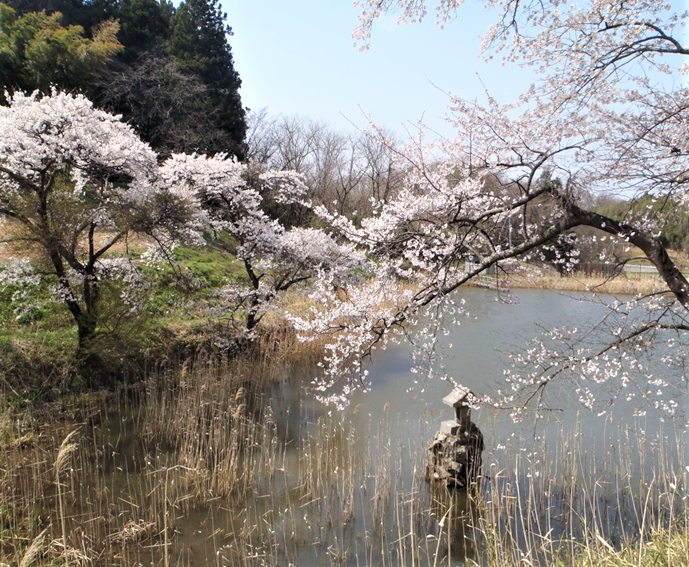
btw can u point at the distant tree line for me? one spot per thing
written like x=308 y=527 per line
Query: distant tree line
x=168 y=71
x=669 y=214
x=348 y=173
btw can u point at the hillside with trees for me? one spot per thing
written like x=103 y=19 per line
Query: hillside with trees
x=168 y=71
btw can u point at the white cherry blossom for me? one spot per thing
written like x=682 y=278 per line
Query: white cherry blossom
x=74 y=182
x=605 y=116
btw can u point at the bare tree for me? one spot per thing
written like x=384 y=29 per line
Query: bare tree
x=168 y=107
x=343 y=172
x=261 y=137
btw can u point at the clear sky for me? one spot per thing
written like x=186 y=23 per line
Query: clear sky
x=297 y=57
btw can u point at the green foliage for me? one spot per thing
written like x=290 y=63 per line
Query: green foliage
x=672 y=216
x=213 y=265
x=145 y=24
x=199 y=41
x=37 y=52
x=85 y=13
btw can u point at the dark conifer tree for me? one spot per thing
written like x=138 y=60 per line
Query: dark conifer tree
x=199 y=41
x=175 y=80
x=145 y=24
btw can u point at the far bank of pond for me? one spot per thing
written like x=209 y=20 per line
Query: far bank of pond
x=628 y=283
x=231 y=468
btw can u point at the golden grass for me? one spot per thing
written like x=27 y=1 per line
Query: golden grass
x=21 y=248
x=622 y=284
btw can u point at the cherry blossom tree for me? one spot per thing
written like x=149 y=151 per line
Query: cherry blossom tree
x=74 y=183
x=606 y=117
x=275 y=259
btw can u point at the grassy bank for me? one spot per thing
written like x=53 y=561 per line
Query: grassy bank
x=666 y=547
x=180 y=320
x=663 y=547
x=622 y=284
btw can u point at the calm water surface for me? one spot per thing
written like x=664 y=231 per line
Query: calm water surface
x=382 y=437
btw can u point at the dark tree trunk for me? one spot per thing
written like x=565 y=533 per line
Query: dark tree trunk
x=252 y=317
x=91 y=366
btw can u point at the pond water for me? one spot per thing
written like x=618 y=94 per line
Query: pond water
x=611 y=461
x=477 y=360
x=348 y=488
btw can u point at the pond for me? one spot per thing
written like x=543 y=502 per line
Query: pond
x=185 y=480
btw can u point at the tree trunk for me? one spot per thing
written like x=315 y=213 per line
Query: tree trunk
x=252 y=317
x=89 y=363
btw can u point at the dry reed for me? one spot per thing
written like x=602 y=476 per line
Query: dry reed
x=623 y=284
x=215 y=466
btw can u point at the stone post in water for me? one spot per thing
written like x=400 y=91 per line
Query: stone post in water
x=454 y=456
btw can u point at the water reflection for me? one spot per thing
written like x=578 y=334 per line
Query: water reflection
x=348 y=488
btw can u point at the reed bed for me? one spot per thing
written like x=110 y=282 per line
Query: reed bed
x=564 y=505
x=622 y=284
x=223 y=464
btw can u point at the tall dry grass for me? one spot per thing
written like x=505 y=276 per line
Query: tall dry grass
x=622 y=284
x=214 y=465
x=561 y=503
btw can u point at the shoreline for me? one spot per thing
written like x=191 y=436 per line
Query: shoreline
x=621 y=284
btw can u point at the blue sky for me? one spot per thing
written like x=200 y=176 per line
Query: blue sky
x=297 y=57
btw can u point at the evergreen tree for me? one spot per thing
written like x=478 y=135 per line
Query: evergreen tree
x=85 y=13
x=145 y=24
x=199 y=41
x=37 y=52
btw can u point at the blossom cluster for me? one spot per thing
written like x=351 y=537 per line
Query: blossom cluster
x=517 y=184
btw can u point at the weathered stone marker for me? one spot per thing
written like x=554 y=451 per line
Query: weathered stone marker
x=454 y=456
